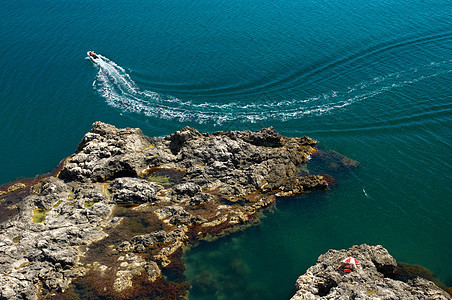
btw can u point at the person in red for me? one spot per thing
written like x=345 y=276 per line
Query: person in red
x=92 y=54
x=349 y=264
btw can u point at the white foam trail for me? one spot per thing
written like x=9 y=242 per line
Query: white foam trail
x=365 y=193
x=120 y=91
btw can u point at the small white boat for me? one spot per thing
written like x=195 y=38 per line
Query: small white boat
x=92 y=55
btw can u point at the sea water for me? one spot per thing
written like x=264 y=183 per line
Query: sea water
x=369 y=79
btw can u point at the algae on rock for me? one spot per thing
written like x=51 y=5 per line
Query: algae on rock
x=124 y=205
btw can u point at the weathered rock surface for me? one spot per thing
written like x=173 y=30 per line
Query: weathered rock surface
x=133 y=190
x=371 y=279
x=123 y=206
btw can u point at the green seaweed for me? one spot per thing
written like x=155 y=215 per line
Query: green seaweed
x=406 y=272
x=94 y=286
x=164 y=176
x=162 y=180
x=89 y=203
x=371 y=291
x=57 y=204
x=39 y=215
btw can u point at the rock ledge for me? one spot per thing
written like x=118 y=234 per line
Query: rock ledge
x=123 y=206
x=371 y=279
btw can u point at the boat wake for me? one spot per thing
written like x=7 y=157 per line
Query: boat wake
x=120 y=91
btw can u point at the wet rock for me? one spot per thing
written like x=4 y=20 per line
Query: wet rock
x=124 y=246
x=176 y=215
x=131 y=265
x=13 y=188
x=190 y=192
x=154 y=238
x=368 y=280
x=331 y=161
x=313 y=181
x=153 y=270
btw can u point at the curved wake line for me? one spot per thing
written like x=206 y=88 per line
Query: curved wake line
x=120 y=91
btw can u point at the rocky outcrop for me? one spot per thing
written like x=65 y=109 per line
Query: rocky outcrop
x=133 y=190
x=106 y=152
x=123 y=206
x=374 y=277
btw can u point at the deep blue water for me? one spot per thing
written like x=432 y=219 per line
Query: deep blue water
x=369 y=79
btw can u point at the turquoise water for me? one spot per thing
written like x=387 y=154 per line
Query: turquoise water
x=369 y=79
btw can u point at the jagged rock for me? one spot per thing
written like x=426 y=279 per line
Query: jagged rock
x=188 y=189
x=13 y=188
x=176 y=215
x=266 y=137
x=130 y=265
x=133 y=190
x=179 y=138
x=141 y=242
x=190 y=192
x=56 y=254
x=176 y=186
x=153 y=270
x=369 y=280
x=313 y=181
x=90 y=192
x=16 y=288
x=106 y=152
x=52 y=190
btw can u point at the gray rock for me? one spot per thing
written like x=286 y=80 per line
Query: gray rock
x=198 y=172
x=368 y=280
x=179 y=138
x=176 y=215
x=90 y=192
x=242 y=161
x=52 y=190
x=106 y=152
x=150 y=240
x=266 y=137
x=189 y=192
x=17 y=288
x=133 y=190
x=58 y=254
x=188 y=189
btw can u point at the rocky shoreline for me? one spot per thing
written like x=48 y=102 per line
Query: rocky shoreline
x=376 y=276
x=120 y=210
x=114 y=219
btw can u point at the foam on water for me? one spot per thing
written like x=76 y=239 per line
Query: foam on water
x=120 y=91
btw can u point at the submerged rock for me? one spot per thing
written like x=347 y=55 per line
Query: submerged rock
x=372 y=278
x=123 y=206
